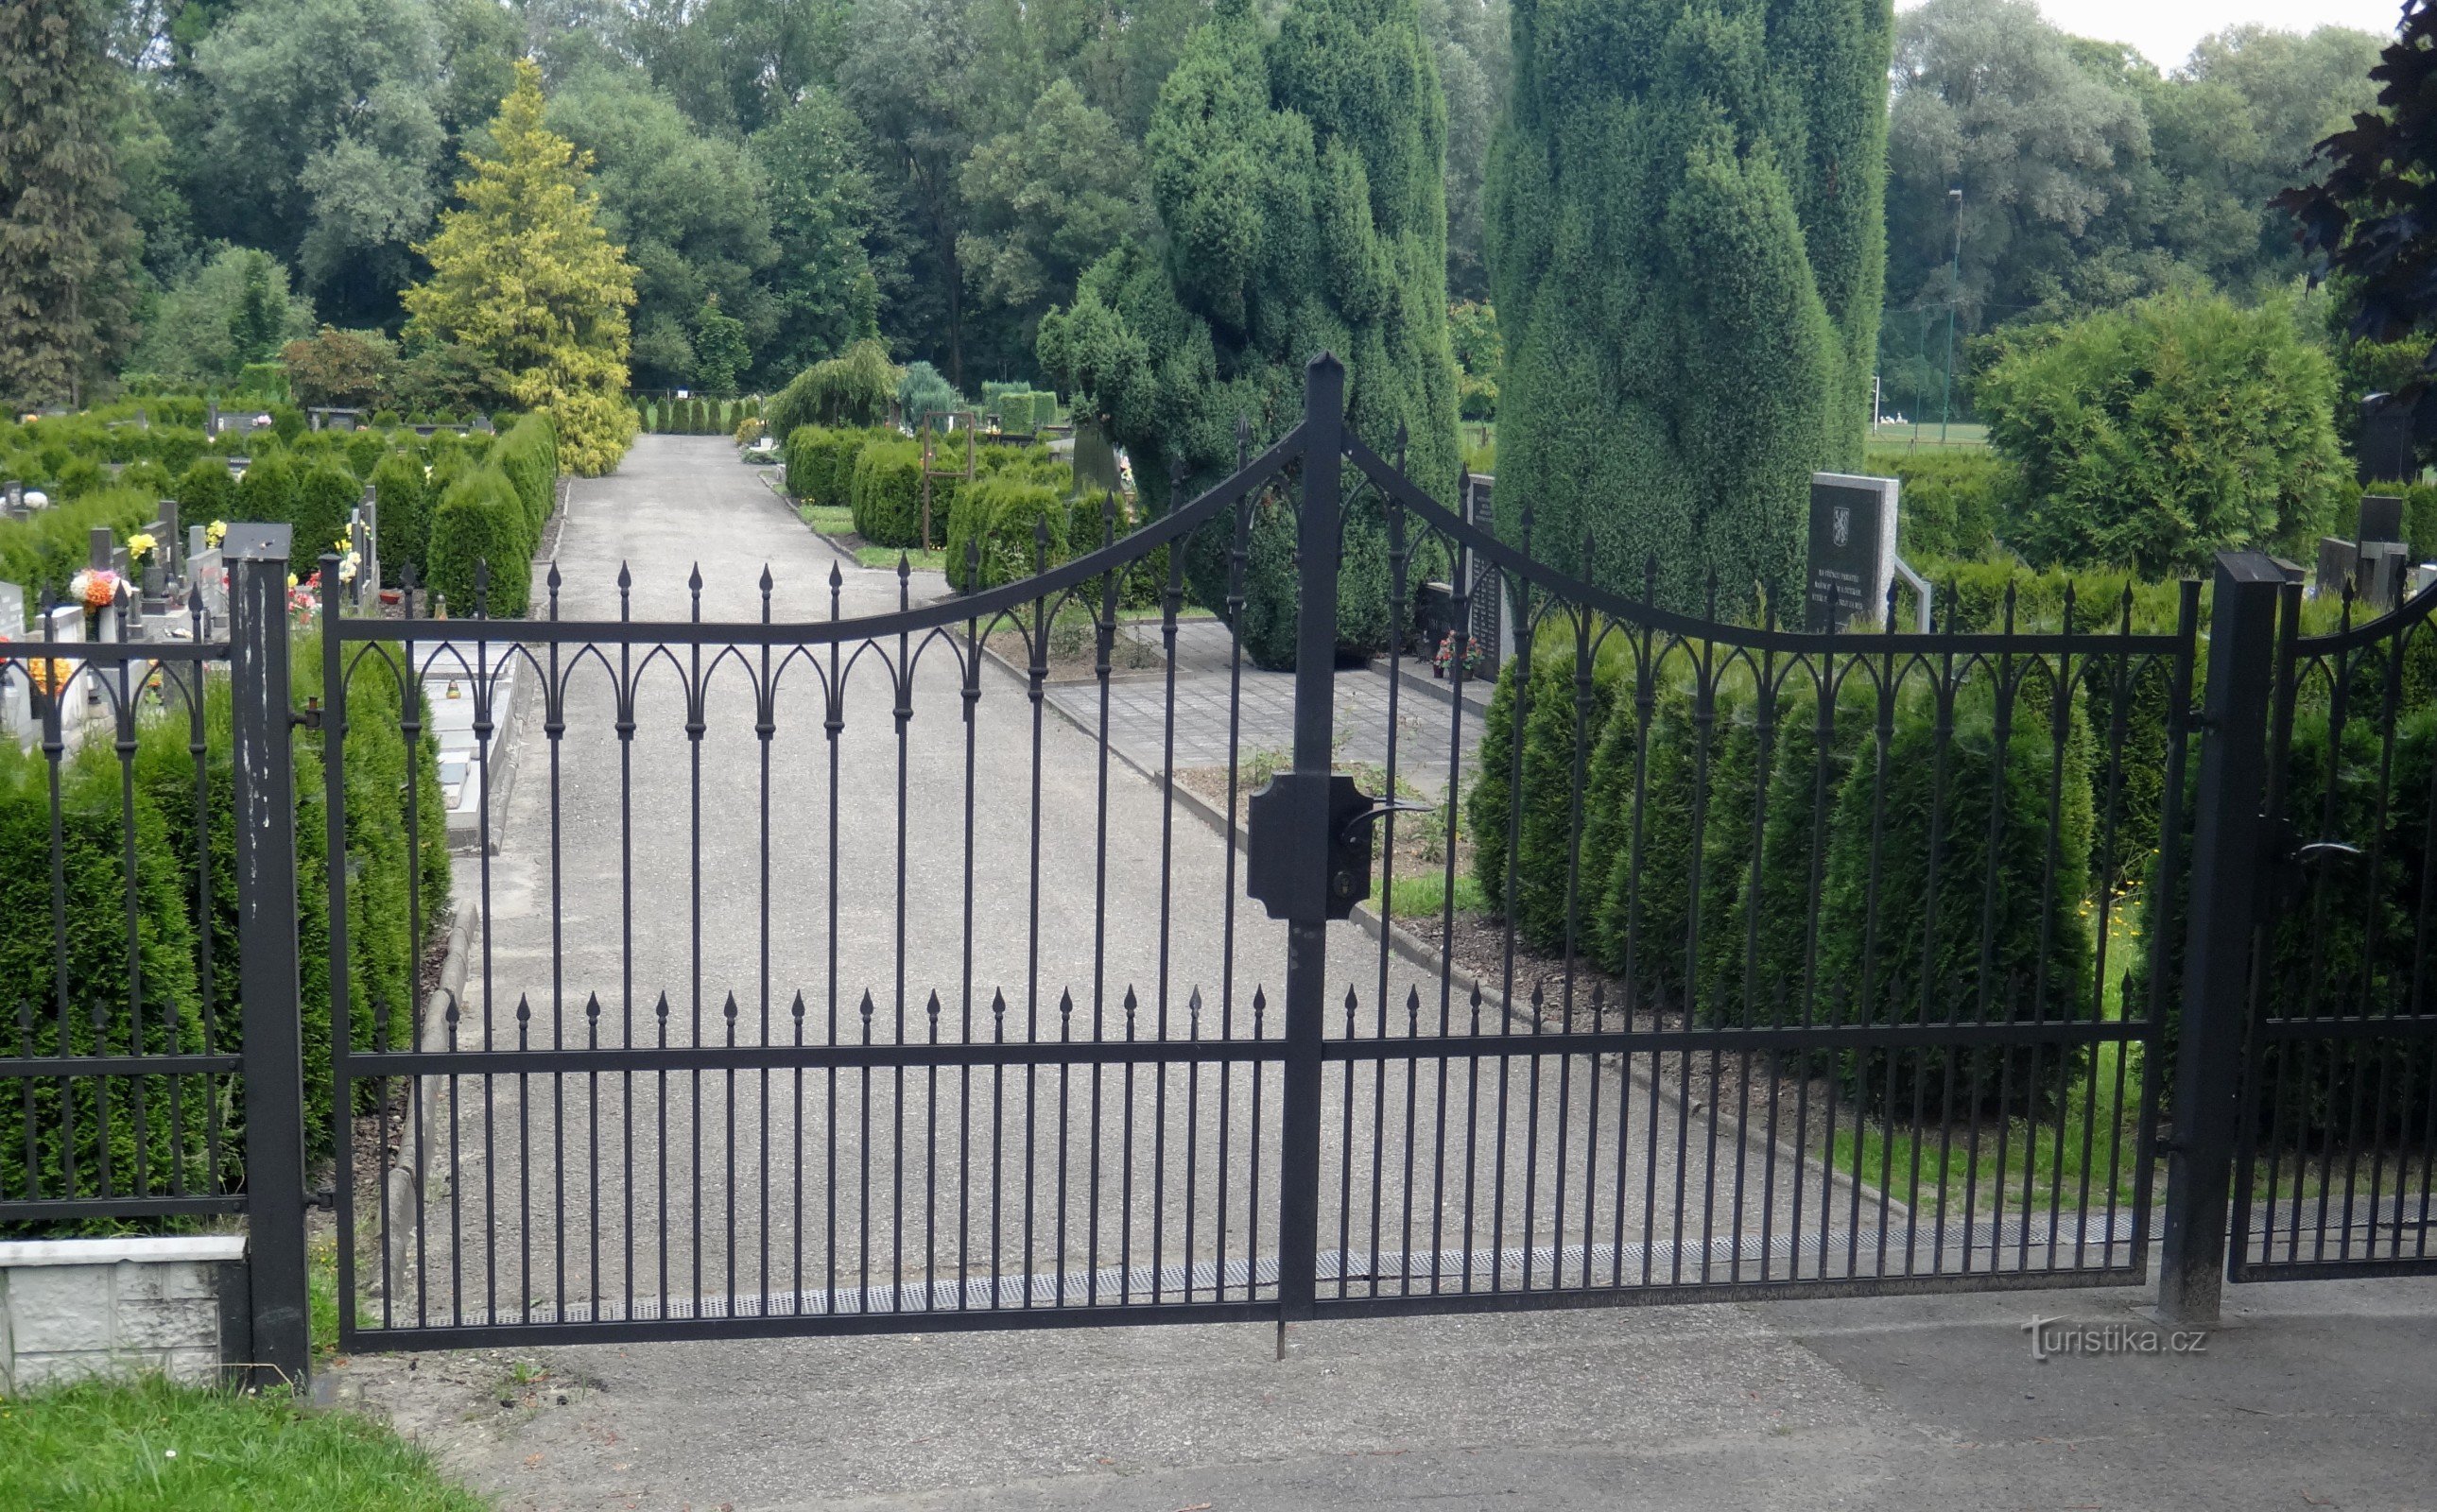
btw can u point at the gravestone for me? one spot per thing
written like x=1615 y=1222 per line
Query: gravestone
x=2386 y=454
x=15 y=499
x=1852 y=556
x=210 y=579
x=2381 y=518
x=1096 y=461
x=1488 y=609
x=2338 y=564
x=2383 y=568
x=16 y=709
x=211 y=421
x=483 y=427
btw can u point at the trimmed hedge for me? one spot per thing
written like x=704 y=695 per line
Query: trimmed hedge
x=887 y=495
x=491 y=511
x=1954 y=502
x=997 y=516
x=325 y=496
x=1679 y=797
x=820 y=462
x=403 y=509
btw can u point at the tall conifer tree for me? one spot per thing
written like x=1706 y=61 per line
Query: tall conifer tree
x=1301 y=180
x=65 y=244
x=1687 y=244
x=523 y=274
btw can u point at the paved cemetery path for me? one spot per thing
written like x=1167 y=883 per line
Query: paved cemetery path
x=701 y=871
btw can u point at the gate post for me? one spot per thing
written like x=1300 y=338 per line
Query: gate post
x=1315 y=729
x=2229 y=852
x=267 y=945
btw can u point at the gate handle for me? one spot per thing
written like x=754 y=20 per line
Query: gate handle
x=2321 y=849
x=1379 y=810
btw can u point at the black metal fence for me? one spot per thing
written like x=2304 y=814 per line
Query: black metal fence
x=837 y=977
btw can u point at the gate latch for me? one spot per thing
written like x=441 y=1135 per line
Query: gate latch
x=1308 y=846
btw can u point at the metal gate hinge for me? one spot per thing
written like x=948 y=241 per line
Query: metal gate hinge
x=310 y=717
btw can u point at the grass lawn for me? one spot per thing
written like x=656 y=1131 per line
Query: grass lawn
x=119 y=1448
x=1926 y=434
x=828 y=519
x=886 y=557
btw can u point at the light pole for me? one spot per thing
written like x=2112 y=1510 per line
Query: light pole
x=1954 y=298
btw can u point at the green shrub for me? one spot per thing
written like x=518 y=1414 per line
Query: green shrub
x=403 y=512
x=44 y=551
x=923 y=393
x=325 y=496
x=887 y=495
x=2152 y=436
x=527 y=453
x=70 y=1129
x=1954 y=502
x=364 y=450
x=207 y=491
x=1922 y=918
x=853 y=389
x=997 y=515
x=480 y=519
x=267 y=492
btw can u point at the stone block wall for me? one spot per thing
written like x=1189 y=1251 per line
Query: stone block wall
x=72 y=1308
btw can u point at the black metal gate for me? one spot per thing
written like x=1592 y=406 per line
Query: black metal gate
x=838 y=976
x=2337 y=1117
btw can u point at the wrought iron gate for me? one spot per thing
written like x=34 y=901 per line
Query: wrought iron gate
x=835 y=981
x=2337 y=1114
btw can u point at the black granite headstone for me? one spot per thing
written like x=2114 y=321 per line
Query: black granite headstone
x=2338 y=564
x=1852 y=556
x=2381 y=518
x=2383 y=564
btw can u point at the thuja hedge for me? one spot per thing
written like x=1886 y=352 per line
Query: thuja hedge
x=1640 y=820
x=820 y=462
x=998 y=514
x=493 y=513
x=101 y=825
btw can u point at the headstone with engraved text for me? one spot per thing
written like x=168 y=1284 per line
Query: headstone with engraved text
x=1852 y=555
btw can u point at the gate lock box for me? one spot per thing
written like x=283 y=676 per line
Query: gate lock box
x=1307 y=844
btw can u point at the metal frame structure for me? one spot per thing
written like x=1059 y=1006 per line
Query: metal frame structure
x=1796 y=983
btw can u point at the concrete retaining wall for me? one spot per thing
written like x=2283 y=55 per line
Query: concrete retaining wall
x=71 y=1307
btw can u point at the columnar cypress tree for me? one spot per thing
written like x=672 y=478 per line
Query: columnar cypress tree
x=1686 y=234
x=1301 y=182
x=64 y=241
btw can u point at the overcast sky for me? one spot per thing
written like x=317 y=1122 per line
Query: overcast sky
x=2165 y=29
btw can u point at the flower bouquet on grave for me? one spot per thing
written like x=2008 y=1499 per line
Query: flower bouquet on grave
x=45 y=677
x=217 y=532
x=97 y=588
x=1455 y=646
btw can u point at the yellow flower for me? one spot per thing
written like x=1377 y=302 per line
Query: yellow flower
x=140 y=545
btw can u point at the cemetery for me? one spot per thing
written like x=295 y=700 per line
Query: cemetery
x=1333 y=754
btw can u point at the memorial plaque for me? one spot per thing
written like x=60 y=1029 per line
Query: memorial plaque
x=1852 y=556
x=2381 y=518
